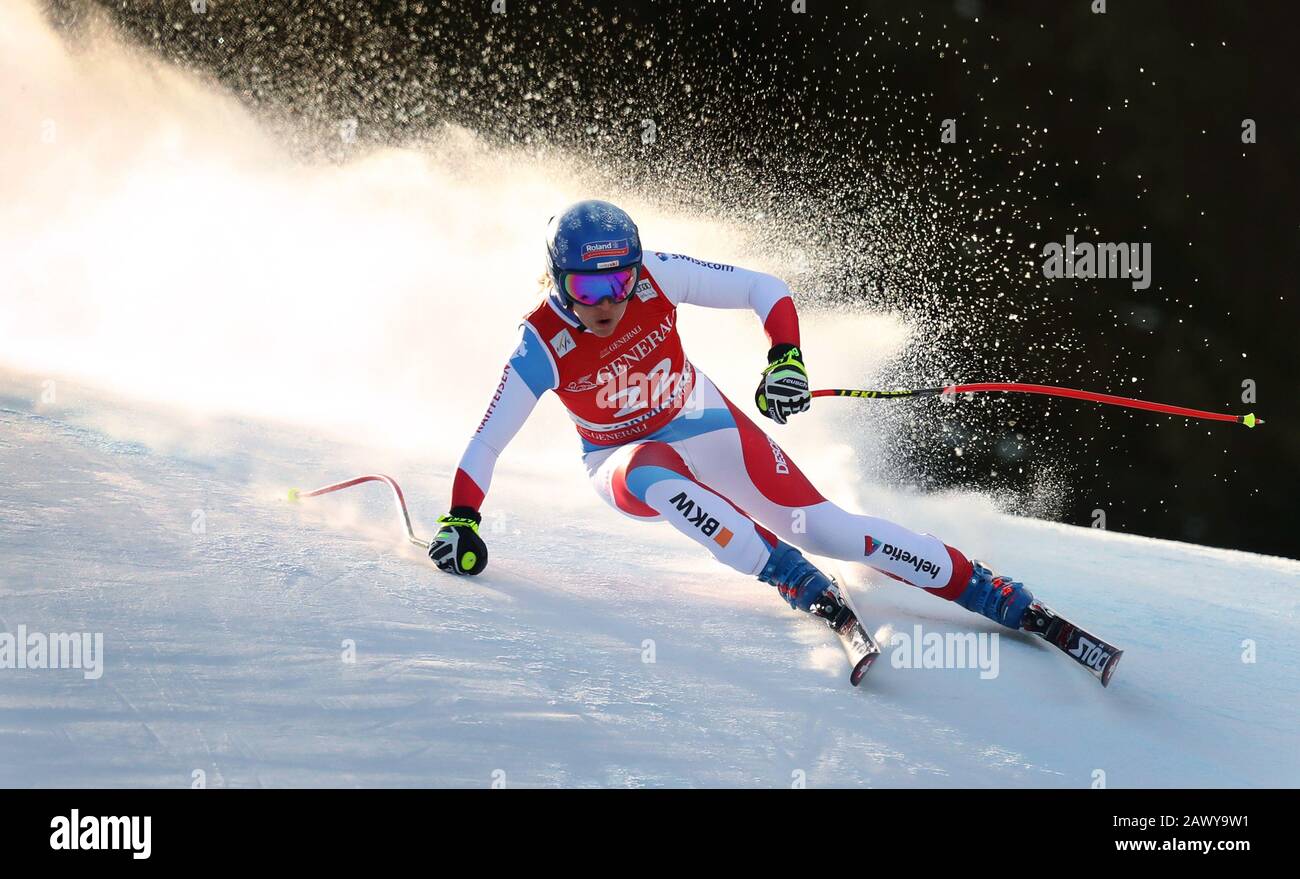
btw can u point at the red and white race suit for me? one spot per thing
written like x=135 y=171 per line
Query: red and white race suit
x=661 y=442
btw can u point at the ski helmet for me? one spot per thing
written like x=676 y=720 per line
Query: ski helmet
x=593 y=251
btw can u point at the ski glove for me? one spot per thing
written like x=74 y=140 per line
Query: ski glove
x=784 y=388
x=457 y=548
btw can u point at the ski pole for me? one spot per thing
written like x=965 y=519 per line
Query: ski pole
x=295 y=495
x=1050 y=390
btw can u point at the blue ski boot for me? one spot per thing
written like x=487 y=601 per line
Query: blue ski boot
x=811 y=591
x=798 y=581
x=1001 y=599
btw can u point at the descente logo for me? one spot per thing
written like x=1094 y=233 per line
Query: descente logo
x=779 y=458
x=92 y=833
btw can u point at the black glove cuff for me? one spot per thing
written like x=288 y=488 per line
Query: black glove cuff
x=466 y=513
x=776 y=352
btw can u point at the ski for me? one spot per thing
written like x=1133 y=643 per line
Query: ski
x=1099 y=657
x=834 y=608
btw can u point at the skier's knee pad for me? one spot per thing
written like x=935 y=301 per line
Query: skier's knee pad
x=634 y=470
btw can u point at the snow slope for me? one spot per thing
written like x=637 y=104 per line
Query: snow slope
x=223 y=648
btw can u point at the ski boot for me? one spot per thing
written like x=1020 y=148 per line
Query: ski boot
x=1001 y=599
x=1005 y=601
x=795 y=578
x=808 y=589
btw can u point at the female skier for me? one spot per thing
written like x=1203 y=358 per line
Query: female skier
x=660 y=441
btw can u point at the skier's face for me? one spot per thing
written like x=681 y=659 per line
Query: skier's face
x=602 y=317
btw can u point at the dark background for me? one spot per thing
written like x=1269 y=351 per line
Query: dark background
x=821 y=131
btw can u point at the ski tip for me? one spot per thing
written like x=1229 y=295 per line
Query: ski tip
x=860 y=670
x=1109 y=670
x=293 y=495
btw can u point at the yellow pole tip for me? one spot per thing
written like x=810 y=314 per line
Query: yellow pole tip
x=293 y=495
x=1250 y=420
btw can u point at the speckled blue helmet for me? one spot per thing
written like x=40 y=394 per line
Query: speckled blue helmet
x=593 y=252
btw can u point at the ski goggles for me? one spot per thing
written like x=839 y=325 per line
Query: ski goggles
x=591 y=287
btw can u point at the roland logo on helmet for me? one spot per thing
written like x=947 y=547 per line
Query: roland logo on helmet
x=604 y=249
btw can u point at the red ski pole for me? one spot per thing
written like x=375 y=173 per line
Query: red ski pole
x=1050 y=390
x=295 y=495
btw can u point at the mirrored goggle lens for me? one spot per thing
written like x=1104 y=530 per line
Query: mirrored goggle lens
x=589 y=289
